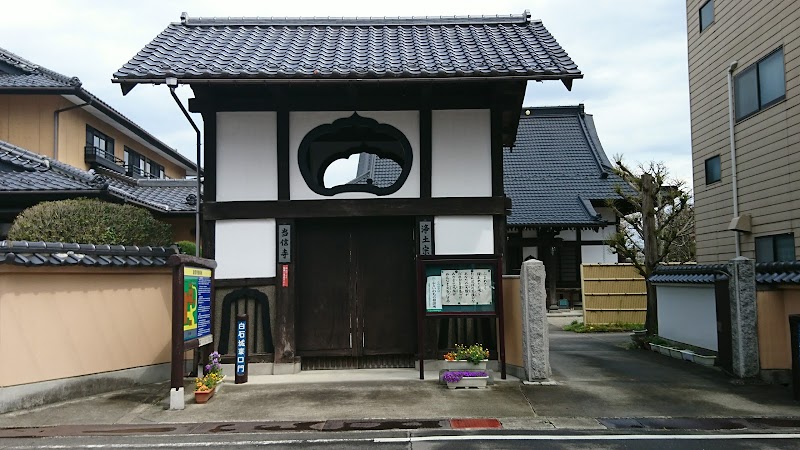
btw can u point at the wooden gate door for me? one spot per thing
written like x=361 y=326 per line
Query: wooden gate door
x=323 y=287
x=356 y=287
x=386 y=287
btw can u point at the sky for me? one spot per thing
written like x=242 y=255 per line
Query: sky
x=632 y=54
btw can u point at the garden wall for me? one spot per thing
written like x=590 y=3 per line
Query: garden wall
x=688 y=314
x=774 y=308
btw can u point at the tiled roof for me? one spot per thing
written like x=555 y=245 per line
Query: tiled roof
x=347 y=48
x=556 y=169
x=689 y=273
x=22 y=171
x=25 y=253
x=17 y=73
x=778 y=273
x=382 y=171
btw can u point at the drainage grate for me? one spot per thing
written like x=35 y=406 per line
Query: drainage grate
x=357 y=362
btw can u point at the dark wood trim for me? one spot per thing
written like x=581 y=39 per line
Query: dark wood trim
x=297 y=209
x=208 y=236
x=578 y=253
x=496 y=122
x=286 y=301
x=425 y=152
x=209 y=156
x=245 y=282
x=499 y=229
x=283 y=154
x=533 y=242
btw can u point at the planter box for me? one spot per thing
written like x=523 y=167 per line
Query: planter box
x=664 y=350
x=655 y=347
x=704 y=360
x=465 y=365
x=687 y=355
x=675 y=353
x=469 y=382
x=203 y=396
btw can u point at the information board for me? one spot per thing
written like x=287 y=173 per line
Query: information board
x=457 y=287
x=196 y=304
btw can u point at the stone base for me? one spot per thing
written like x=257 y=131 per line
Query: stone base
x=176 y=400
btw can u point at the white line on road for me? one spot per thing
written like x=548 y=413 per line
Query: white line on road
x=596 y=437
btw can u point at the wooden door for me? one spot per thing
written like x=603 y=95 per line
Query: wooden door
x=386 y=287
x=323 y=289
x=355 y=289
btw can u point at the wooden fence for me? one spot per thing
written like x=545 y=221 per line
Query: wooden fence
x=613 y=293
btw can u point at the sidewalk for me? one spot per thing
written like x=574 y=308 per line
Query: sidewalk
x=596 y=377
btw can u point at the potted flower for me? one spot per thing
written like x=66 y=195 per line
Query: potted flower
x=473 y=357
x=205 y=386
x=465 y=378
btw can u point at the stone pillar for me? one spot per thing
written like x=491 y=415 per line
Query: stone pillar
x=535 y=336
x=744 y=320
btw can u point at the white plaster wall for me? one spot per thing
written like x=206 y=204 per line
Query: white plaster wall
x=605 y=232
x=461 y=164
x=301 y=122
x=530 y=251
x=688 y=314
x=245 y=248
x=593 y=254
x=463 y=235
x=247 y=164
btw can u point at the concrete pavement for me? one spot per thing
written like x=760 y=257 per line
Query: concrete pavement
x=596 y=377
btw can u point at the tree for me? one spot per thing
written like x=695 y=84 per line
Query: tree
x=656 y=225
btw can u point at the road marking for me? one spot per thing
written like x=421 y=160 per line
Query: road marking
x=600 y=437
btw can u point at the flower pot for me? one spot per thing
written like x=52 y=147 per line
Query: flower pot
x=468 y=382
x=704 y=360
x=203 y=396
x=675 y=353
x=464 y=365
x=687 y=355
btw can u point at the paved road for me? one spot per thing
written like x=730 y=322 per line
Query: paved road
x=395 y=440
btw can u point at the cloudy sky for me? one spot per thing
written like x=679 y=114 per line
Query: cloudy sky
x=632 y=55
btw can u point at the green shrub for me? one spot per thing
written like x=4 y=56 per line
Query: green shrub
x=187 y=247
x=579 y=327
x=90 y=221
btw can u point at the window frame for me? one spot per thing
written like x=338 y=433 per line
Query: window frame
x=719 y=165
x=774 y=241
x=756 y=67
x=700 y=15
x=91 y=133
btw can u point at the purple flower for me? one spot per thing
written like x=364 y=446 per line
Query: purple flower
x=454 y=376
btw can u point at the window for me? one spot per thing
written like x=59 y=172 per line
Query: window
x=779 y=247
x=706 y=15
x=102 y=144
x=355 y=136
x=138 y=166
x=760 y=85
x=713 y=170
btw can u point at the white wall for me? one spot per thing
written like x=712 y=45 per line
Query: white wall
x=247 y=164
x=463 y=235
x=688 y=314
x=245 y=248
x=593 y=254
x=605 y=232
x=461 y=163
x=530 y=251
x=301 y=122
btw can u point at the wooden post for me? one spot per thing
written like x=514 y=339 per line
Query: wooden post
x=240 y=368
x=650 y=247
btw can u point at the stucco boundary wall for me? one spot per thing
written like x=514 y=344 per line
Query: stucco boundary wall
x=80 y=330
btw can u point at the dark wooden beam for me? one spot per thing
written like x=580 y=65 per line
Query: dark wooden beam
x=425 y=152
x=245 y=282
x=283 y=153
x=496 y=122
x=297 y=209
x=208 y=228
x=285 y=301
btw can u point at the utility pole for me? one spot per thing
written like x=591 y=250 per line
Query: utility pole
x=650 y=248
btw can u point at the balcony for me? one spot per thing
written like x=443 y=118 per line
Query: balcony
x=97 y=157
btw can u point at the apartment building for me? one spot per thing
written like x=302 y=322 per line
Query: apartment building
x=744 y=82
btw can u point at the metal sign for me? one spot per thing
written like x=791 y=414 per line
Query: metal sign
x=284 y=243
x=425 y=237
x=197 y=305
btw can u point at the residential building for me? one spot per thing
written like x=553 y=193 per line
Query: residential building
x=744 y=83
x=57 y=141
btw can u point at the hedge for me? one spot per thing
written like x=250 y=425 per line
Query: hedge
x=90 y=221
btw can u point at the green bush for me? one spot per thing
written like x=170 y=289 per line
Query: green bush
x=579 y=327
x=90 y=221
x=187 y=247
